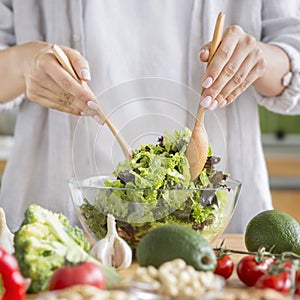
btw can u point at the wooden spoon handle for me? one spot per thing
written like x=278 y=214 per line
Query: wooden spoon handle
x=215 y=43
x=64 y=61
x=66 y=64
x=217 y=37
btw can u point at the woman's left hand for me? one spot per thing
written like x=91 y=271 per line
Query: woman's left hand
x=238 y=62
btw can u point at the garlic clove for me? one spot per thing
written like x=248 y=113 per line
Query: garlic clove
x=123 y=254
x=6 y=237
x=100 y=250
x=112 y=250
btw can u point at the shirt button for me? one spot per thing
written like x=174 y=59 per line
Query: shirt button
x=76 y=38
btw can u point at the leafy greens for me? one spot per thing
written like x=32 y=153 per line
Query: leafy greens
x=154 y=188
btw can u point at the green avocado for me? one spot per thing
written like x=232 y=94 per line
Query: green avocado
x=172 y=241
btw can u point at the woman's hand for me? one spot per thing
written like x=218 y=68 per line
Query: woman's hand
x=50 y=85
x=34 y=70
x=238 y=62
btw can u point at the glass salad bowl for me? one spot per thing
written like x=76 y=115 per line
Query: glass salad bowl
x=138 y=210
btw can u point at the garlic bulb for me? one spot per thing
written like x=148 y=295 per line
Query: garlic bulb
x=112 y=250
x=6 y=237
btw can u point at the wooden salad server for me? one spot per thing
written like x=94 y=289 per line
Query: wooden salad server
x=197 y=150
x=66 y=64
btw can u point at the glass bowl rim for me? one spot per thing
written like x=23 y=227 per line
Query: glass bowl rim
x=82 y=183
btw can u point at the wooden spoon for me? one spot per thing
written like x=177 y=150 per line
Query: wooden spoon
x=198 y=146
x=66 y=64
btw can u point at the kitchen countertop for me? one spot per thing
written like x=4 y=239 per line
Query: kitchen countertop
x=233 y=285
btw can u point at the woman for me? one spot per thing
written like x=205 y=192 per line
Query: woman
x=258 y=62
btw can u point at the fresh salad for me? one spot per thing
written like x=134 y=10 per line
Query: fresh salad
x=154 y=188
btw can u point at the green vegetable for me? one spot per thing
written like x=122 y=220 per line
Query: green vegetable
x=45 y=242
x=157 y=178
x=170 y=242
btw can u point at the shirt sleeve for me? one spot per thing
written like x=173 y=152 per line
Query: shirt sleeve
x=7 y=39
x=7 y=36
x=281 y=27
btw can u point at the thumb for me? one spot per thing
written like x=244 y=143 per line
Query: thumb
x=204 y=52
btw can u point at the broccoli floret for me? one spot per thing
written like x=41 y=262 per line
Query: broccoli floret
x=45 y=242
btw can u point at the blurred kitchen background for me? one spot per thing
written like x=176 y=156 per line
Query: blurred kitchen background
x=281 y=141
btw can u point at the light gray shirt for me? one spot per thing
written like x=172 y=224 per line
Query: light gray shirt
x=146 y=72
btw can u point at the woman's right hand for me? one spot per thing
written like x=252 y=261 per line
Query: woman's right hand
x=49 y=84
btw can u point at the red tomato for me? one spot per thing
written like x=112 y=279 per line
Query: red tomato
x=297 y=283
x=280 y=282
x=249 y=270
x=225 y=266
x=288 y=265
x=84 y=273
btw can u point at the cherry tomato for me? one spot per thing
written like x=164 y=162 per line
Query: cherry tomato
x=297 y=283
x=249 y=269
x=84 y=273
x=225 y=266
x=288 y=265
x=280 y=282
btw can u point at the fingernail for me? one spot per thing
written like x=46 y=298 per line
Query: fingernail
x=83 y=114
x=203 y=51
x=98 y=119
x=207 y=82
x=92 y=104
x=206 y=101
x=213 y=105
x=223 y=103
x=85 y=74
